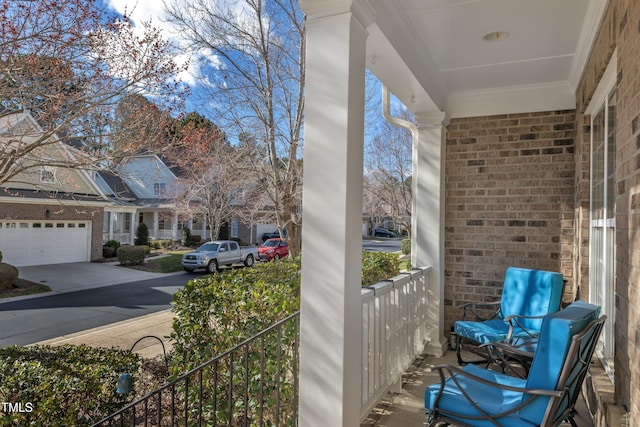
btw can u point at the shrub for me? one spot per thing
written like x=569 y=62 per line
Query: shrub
x=131 y=255
x=161 y=243
x=108 y=252
x=195 y=239
x=142 y=235
x=405 y=246
x=214 y=313
x=66 y=385
x=0 y=256
x=147 y=249
x=8 y=276
x=186 y=237
x=113 y=244
x=217 y=312
x=377 y=266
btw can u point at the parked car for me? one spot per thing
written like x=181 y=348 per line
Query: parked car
x=273 y=235
x=383 y=232
x=273 y=249
x=213 y=254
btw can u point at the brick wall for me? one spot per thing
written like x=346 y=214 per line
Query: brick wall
x=509 y=202
x=60 y=212
x=619 y=29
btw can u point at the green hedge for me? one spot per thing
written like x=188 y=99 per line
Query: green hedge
x=214 y=313
x=405 y=246
x=377 y=266
x=131 y=255
x=218 y=311
x=62 y=386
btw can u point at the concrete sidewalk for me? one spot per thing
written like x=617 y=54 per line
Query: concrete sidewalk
x=124 y=335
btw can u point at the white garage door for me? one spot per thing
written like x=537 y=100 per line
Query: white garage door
x=26 y=243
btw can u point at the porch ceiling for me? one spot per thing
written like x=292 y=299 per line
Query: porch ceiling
x=433 y=54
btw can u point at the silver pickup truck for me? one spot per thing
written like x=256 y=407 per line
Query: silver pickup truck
x=213 y=254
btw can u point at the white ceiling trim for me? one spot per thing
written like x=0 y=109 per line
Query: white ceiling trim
x=592 y=20
x=509 y=100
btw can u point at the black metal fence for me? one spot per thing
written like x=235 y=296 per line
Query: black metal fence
x=253 y=384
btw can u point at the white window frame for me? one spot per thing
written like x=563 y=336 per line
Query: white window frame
x=159 y=189
x=45 y=172
x=602 y=227
x=235 y=226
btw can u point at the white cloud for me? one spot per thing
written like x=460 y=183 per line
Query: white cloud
x=152 y=11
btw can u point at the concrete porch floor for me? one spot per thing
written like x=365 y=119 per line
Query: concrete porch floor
x=406 y=409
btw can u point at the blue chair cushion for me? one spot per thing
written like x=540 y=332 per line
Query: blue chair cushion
x=553 y=345
x=491 y=399
x=483 y=332
x=530 y=293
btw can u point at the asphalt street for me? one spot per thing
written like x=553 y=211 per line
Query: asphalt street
x=32 y=320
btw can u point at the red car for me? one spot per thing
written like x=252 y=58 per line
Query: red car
x=273 y=249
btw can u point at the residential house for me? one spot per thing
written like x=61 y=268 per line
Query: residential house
x=144 y=189
x=49 y=213
x=526 y=154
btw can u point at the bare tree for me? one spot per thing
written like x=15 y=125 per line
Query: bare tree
x=216 y=184
x=388 y=178
x=69 y=65
x=253 y=66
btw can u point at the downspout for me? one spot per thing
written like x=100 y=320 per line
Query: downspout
x=396 y=121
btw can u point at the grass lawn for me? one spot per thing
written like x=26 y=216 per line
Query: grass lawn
x=167 y=264
x=24 y=287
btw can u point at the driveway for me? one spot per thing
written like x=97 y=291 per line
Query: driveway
x=62 y=278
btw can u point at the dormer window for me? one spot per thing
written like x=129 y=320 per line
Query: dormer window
x=47 y=175
x=159 y=189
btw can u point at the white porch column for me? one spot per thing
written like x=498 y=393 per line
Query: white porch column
x=155 y=224
x=110 y=225
x=427 y=243
x=330 y=320
x=174 y=227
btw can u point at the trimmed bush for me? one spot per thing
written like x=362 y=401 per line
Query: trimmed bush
x=217 y=312
x=142 y=235
x=405 y=246
x=147 y=249
x=131 y=255
x=113 y=244
x=8 y=276
x=64 y=386
x=195 y=239
x=0 y=256
x=377 y=266
x=108 y=252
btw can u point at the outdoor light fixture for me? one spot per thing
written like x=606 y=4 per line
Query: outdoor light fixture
x=496 y=36
x=125 y=384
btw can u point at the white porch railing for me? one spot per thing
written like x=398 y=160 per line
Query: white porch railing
x=164 y=234
x=120 y=237
x=394 y=332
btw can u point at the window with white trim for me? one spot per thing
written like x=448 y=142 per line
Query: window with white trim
x=47 y=175
x=235 y=225
x=159 y=189
x=602 y=206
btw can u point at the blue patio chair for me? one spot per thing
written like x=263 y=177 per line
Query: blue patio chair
x=478 y=397
x=527 y=296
